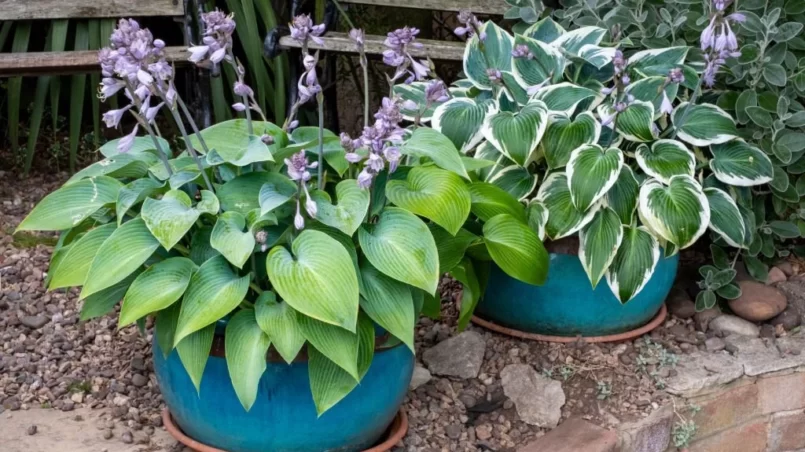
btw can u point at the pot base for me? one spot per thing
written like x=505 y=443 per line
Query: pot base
x=395 y=432
x=657 y=321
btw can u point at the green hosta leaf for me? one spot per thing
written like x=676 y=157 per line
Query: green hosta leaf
x=563 y=136
x=308 y=138
x=515 y=180
x=169 y=218
x=537 y=214
x=622 y=197
x=703 y=125
x=725 y=218
x=599 y=242
x=276 y=193
x=139 y=146
x=214 y=291
x=122 y=166
x=572 y=41
x=388 y=302
x=348 y=214
x=209 y=203
x=546 y=30
x=337 y=344
x=401 y=246
x=451 y=248
x=126 y=249
x=634 y=263
x=646 y=89
x=547 y=63
x=74 y=265
x=636 y=122
x=134 y=193
x=165 y=327
x=232 y=142
x=657 y=62
x=71 y=204
x=433 y=193
x=664 y=159
x=193 y=351
x=591 y=172
x=415 y=92
x=679 y=212
x=246 y=347
x=229 y=239
x=200 y=249
x=516 y=249
x=158 y=287
x=103 y=302
x=460 y=119
x=495 y=52
x=739 y=163
x=242 y=194
x=429 y=143
x=516 y=134
x=278 y=320
x=255 y=151
x=464 y=273
x=318 y=279
x=563 y=217
x=563 y=97
x=489 y=200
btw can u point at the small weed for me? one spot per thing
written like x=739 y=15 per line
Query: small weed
x=80 y=386
x=604 y=390
x=567 y=372
x=547 y=372
x=683 y=433
x=44 y=405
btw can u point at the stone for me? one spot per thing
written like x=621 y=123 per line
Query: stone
x=483 y=432
x=77 y=397
x=748 y=437
x=575 y=435
x=786 y=268
x=700 y=373
x=702 y=319
x=714 y=344
x=776 y=275
x=419 y=378
x=787 y=432
x=758 y=302
x=460 y=356
x=127 y=437
x=31 y=430
x=107 y=434
x=732 y=406
x=767 y=331
x=730 y=324
x=139 y=380
x=680 y=304
x=453 y=431
x=652 y=434
x=790 y=318
x=69 y=405
x=34 y=321
x=537 y=399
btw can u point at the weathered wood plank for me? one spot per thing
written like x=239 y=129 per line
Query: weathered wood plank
x=497 y=7
x=87 y=9
x=340 y=42
x=50 y=63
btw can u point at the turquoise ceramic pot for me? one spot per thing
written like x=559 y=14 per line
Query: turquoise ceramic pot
x=566 y=305
x=283 y=419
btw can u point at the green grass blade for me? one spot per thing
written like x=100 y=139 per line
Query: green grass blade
x=95 y=80
x=253 y=46
x=22 y=34
x=220 y=106
x=77 y=88
x=42 y=84
x=278 y=65
x=58 y=42
x=4 y=31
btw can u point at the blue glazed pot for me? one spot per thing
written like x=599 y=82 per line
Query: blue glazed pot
x=567 y=305
x=283 y=418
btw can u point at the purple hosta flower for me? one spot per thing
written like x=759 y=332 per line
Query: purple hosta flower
x=436 y=92
x=218 y=22
x=267 y=139
x=308 y=85
x=606 y=91
x=494 y=75
x=397 y=54
x=133 y=54
x=665 y=106
x=298 y=219
x=239 y=106
x=242 y=89
x=217 y=40
x=534 y=89
x=620 y=107
x=676 y=75
x=721 y=5
x=151 y=112
x=298 y=167
x=625 y=79
x=112 y=117
x=261 y=237
x=389 y=113
x=470 y=25
x=161 y=70
x=365 y=178
x=381 y=140
x=124 y=144
x=737 y=18
x=619 y=62
x=358 y=37
x=302 y=29
x=392 y=155
x=522 y=51
x=607 y=117
x=109 y=87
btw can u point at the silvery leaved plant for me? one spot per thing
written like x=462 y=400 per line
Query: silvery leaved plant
x=289 y=237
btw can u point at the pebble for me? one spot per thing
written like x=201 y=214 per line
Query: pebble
x=107 y=434
x=758 y=302
x=34 y=321
x=139 y=380
x=126 y=437
x=31 y=430
x=776 y=275
x=715 y=344
x=453 y=431
x=68 y=405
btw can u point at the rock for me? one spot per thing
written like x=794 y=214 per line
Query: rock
x=702 y=319
x=767 y=331
x=139 y=380
x=483 y=432
x=141 y=437
x=78 y=397
x=729 y=324
x=790 y=318
x=107 y=434
x=460 y=356
x=776 y=275
x=69 y=405
x=758 y=302
x=453 y=431
x=419 y=378
x=652 y=434
x=34 y=321
x=786 y=268
x=680 y=304
x=575 y=435
x=127 y=437
x=31 y=430
x=537 y=399
x=714 y=344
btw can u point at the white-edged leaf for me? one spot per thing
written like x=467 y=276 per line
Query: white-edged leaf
x=634 y=263
x=738 y=163
x=564 y=97
x=725 y=218
x=703 y=124
x=679 y=212
x=537 y=214
x=350 y=210
x=158 y=287
x=246 y=347
x=636 y=123
x=460 y=119
x=71 y=204
x=169 y=218
x=415 y=92
x=515 y=180
x=657 y=62
x=495 y=52
x=516 y=134
x=562 y=136
x=599 y=242
x=597 y=56
x=563 y=217
x=646 y=90
x=546 y=30
x=573 y=41
x=547 y=63
x=622 y=197
x=229 y=238
x=591 y=172
x=664 y=159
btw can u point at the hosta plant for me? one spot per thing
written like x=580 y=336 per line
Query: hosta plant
x=297 y=238
x=586 y=138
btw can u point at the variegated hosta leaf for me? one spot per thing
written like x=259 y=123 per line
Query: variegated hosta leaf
x=573 y=41
x=563 y=217
x=229 y=239
x=636 y=123
x=703 y=124
x=591 y=172
x=516 y=180
x=71 y=204
x=547 y=63
x=486 y=151
x=564 y=96
x=461 y=118
x=657 y=62
x=318 y=279
x=495 y=52
x=678 y=213
x=738 y=163
x=562 y=136
x=599 y=242
x=622 y=197
x=415 y=92
x=246 y=347
x=516 y=249
x=646 y=89
x=517 y=134
x=597 y=56
x=169 y=218
x=546 y=30
x=664 y=159
x=725 y=218
x=634 y=263
x=348 y=214
x=537 y=216
x=434 y=193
